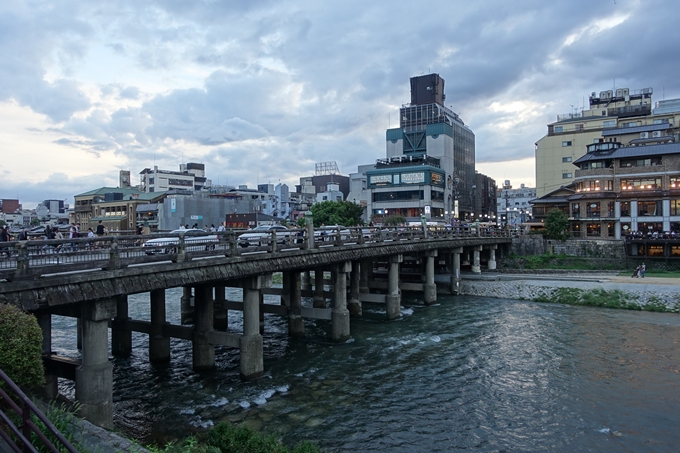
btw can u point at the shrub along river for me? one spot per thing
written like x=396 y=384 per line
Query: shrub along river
x=467 y=373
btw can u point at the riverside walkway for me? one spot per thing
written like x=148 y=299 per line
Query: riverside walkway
x=90 y=279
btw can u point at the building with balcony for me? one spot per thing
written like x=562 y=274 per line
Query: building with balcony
x=190 y=178
x=513 y=206
x=116 y=207
x=620 y=189
x=623 y=115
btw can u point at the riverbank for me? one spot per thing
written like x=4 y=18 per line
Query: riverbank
x=650 y=293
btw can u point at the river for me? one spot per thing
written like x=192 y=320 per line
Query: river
x=473 y=373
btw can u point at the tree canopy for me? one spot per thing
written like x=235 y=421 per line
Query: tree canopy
x=556 y=224
x=343 y=213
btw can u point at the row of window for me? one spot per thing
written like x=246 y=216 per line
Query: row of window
x=609 y=124
x=645 y=208
x=625 y=184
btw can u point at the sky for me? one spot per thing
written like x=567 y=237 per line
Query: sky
x=259 y=91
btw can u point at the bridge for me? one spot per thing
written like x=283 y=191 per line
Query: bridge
x=90 y=279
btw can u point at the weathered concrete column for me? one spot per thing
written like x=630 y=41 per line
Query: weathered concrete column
x=319 y=298
x=309 y=229
x=476 y=266
x=79 y=334
x=354 y=305
x=306 y=281
x=221 y=319
x=261 y=313
x=187 y=306
x=121 y=336
x=296 y=324
x=203 y=352
x=393 y=297
x=492 y=257
x=94 y=377
x=455 y=270
x=430 y=288
x=250 y=343
x=159 y=346
x=340 y=314
x=50 y=389
x=363 y=278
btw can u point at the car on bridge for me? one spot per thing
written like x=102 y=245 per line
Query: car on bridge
x=194 y=240
x=329 y=233
x=262 y=234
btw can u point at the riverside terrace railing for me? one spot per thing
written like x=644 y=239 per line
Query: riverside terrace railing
x=33 y=258
x=18 y=437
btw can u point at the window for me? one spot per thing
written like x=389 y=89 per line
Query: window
x=593 y=229
x=610 y=229
x=675 y=207
x=661 y=121
x=399 y=195
x=566 y=143
x=625 y=209
x=593 y=210
x=609 y=123
x=630 y=124
x=576 y=210
x=652 y=161
x=596 y=164
x=674 y=182
x=610 y=209
x=559 y=129
x=566 y=176
x=578 y=127
x=641 y=184
x=566 y=159
x=650 y=208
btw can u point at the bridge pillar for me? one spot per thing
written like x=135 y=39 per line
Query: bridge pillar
x=430 y=287
x=50 y=389
x=221 y=318
x=121 y=336
x=364 y=268
x=285 y=289
x=296 y=325
x=79 y=333
x=393 y=297
x=94 y=376
x=261 y=316
x=354 y=304
x=492 y=257
x=202 y=351
x=306 y=281
x=250 y=343
x=476 y=267
x=455 y=270
x=309 y=229
x=340 y=314
x=159 y=346
x=319 y=298
x=187 y=306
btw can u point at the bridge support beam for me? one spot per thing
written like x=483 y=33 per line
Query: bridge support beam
x=455 y=270
x=121 y=336
x=354 y=305
x=492 y=257
x=221 y=318
x=340 y=314
x=94 y=377
x=203 y=352
x=50 y=389
x=364 y=268
x=159 y=346
x=476 y=266
x=187 y=306
x=296 y=324
x=393 y=297
x=430 y=288
x=319 y=299
x=250 y=343
x=306 y=281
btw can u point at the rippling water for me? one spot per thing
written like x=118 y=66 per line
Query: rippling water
x=468 y=373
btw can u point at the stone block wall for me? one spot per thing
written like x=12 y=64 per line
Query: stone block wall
x=589 y=248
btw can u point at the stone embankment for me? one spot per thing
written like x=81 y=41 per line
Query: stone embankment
x=657 y=294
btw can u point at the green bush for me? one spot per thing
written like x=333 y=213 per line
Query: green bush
x=233 y=439
x=21 y=347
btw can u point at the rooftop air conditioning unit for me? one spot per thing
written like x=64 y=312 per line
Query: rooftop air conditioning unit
x=656 y=134
x=644 y=134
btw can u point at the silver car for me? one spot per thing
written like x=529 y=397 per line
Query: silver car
x=194 y=240
x=260 y=235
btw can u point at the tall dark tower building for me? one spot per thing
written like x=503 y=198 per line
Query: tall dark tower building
x=430 y=165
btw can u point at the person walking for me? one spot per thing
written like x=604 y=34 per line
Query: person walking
x=643 y=269
x=4 y=237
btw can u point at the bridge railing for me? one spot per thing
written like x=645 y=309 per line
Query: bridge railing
x=40 y=257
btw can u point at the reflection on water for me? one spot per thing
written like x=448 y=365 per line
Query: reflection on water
x=467 y=373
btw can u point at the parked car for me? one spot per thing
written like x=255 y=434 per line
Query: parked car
x=260 y=235
x=328 y=233
x=195 y=240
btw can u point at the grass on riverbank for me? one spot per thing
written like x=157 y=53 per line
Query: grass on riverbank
x=606 y=299
x=561 y=262
x=226 y=438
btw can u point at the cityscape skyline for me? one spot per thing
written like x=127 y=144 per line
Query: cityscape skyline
x=261 y=91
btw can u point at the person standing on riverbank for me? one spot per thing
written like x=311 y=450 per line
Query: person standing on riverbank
x=643 y=268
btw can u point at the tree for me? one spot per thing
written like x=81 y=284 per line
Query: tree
x=20 y=346
x=343 y=213
x=35 y=222
x=394 y=220
x=556 y=224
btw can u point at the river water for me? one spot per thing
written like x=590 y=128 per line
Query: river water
x=472 y=373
